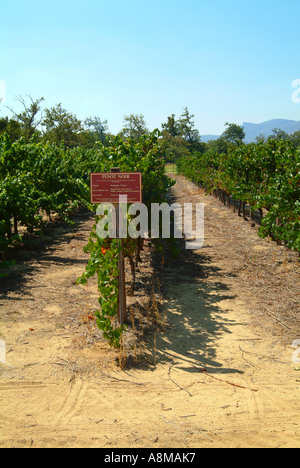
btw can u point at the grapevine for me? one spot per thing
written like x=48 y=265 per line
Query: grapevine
x=147 y=157
x=265 y=176
x=38 y=179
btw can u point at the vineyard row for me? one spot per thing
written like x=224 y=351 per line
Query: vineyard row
x=38 y=179
x=265 y=176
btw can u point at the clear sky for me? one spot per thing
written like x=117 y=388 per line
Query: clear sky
x=226 y=60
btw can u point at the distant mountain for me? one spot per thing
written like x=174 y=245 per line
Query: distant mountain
x=265 y=128
x=207 y=138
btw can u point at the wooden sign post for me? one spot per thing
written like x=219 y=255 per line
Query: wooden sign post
x=108 y=188
x=122 y=309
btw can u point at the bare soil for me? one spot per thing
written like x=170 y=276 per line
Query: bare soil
x=208 y=364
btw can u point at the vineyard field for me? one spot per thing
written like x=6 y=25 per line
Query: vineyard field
x=229 y=308
x=265 y=176
x=38 y=179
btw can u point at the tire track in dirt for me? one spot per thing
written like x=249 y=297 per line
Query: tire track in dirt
x=62 y=386
x=72 y=403
x=216 y=309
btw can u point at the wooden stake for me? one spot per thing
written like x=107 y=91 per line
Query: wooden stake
x=122 y=316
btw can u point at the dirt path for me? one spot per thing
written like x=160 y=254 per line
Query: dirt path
x=233 y=309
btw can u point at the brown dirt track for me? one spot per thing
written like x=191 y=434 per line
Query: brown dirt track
x=232 y=308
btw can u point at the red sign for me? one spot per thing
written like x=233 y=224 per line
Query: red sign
x=107 y=187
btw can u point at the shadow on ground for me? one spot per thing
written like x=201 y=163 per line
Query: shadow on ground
x=197 y=322
x=40 y=249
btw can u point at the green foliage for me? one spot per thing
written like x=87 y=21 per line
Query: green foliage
x=188 y=131
x=234 y=134
x=146 y=156
x=12 y=127
x=37 y=179
x=264 y=175
x=3 y=266
x=34 y=178
x=134 y=127
x=104 y=263
x=181 y=136
x=96 y=130
x=60 y=126
x=29 y=118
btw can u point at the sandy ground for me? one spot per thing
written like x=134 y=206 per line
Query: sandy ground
x=221 y=374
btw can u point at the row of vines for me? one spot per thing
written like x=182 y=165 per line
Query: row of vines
x=38 y=180
x=265 y=176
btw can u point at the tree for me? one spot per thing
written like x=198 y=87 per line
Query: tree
x=31 y=116
x=296 y=138
x=188 y=132
x=12 y=127
x=62 y=126
x=260 y=138
x=220 y=145
x=181 y=136
x=279 y=134
x=97 y=128
x=172 y=126
x=177 y=146
x=134 y=127
x=234 y=134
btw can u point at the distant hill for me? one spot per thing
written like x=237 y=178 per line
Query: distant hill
x=265 y=128
x=207 y=138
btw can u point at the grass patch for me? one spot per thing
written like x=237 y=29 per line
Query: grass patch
x=171 y=168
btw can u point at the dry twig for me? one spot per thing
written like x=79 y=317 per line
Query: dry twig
x=179 y=386
x=204 y=371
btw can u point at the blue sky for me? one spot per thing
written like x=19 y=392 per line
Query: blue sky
x=227 y=60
